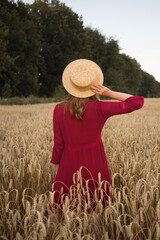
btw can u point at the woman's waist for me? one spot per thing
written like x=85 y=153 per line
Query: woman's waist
x=83 y=146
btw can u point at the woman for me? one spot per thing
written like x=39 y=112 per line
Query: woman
x=77 y=124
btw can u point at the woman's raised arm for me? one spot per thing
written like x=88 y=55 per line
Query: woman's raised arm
x=128 y=103
x=106 y=92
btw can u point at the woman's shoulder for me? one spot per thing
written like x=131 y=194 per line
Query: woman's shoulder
x=98 y=102
x=56 y=107
x=62 y=104
x=59 y=105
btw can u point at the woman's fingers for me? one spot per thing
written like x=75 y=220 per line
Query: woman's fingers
x=97 y=88
x=101 y=90
x=95 y=85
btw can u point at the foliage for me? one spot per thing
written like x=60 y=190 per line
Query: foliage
x=38 y=40
x=60 y=93
x=31 y=99
x=6 y=63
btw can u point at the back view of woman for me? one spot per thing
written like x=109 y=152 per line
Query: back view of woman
x=77 y=124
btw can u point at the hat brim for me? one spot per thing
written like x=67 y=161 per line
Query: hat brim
x=75 y=90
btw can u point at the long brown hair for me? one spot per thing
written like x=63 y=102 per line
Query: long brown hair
x=77 y=105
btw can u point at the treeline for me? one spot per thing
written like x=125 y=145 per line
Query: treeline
x=37 y=41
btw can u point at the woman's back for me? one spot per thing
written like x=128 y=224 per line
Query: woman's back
x=78 y=132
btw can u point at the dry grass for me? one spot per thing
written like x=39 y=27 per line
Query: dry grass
x=132 y=146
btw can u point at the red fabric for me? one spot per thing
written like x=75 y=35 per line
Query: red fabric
x=77 y=142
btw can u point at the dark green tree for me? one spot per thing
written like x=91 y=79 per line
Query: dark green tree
x=6 y=62
x=149 y=87
x=105 y=52
x=131 y=74
x=23 y=45
x=62 y=37
x=38 y=40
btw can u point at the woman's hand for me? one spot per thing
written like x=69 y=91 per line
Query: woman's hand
x=56 y=167
x=101 y=90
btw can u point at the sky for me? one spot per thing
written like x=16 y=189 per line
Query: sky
x=134 y=23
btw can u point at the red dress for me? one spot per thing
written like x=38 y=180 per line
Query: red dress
x=77 y=142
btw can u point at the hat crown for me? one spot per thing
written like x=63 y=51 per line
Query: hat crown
x=82 y=75
x=79 y=75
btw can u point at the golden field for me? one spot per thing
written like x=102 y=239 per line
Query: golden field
x=132 y=145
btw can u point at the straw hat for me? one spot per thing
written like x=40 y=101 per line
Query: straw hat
x=79 y=75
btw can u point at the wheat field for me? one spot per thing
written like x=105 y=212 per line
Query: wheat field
x=132 y=146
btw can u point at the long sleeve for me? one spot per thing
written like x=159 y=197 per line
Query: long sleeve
x=58 y=140
x=108 y=109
